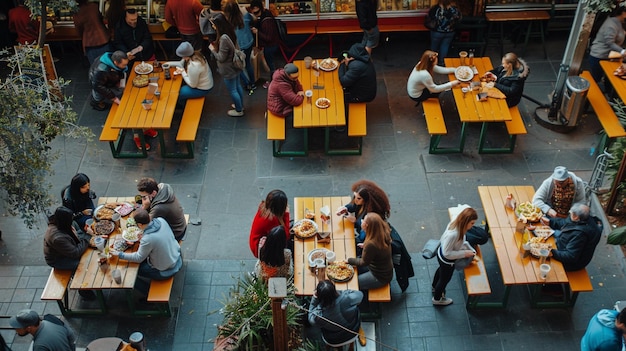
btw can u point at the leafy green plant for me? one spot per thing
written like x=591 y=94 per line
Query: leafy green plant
x=247 y=314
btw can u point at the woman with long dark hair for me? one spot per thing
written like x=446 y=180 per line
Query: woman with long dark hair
x=274 y=256
x=224 y=49
x=375 y=264
x=272 y=212
x=241 y=23
x=78 y=197
x=420 y=85
x=453 y=247
x=367 y=197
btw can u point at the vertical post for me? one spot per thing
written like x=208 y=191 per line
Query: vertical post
x=277 y=290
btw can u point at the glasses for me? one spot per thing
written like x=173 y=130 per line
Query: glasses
x=145 y=196
x=131 y=11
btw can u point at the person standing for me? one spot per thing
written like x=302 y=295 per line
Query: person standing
x=285 y=91
x=47 y=336
x=272 y=212
x=446 y=16
x=241 y=22
x=375 y=264
x=610 y=37
x=184 y=14
x=105 y=75
x=420 y=85
x=90 y=27
x=224 y=50
x=78 y=197
x=453 y=247
x=357 y=75
x=559 y=192
x=606 y=331
x=195 y=70
x=133 y=37
x=266 y=30
x=160 y=201
x=368 y=21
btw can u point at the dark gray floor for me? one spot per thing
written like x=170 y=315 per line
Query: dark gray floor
x=234 y=169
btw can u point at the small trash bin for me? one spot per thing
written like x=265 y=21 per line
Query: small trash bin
x=574 y=99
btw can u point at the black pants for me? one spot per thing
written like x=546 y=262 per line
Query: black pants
x=442 y=278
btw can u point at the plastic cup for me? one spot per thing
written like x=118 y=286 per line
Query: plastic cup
x=309 y=95
x=116 y=274
x=116 y=217
x=307 y=62
x=147 y=104
x=544 y=269
x=543 y=256
x=99 y=241
x=330 y=257
x=166 y=66
x=463 y=56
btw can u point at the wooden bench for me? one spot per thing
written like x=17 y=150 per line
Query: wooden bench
x=375 y=297
x=579 y=281
x=605 y=113
x=437 y=127
x=276 y=132
x=188 y=129
x=56 y=289
x=116 y=136
x=514 y=127
x=357 y=127
x=476 y=280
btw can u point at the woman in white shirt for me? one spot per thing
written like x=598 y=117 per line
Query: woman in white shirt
x=195 y=71
x=420 y=85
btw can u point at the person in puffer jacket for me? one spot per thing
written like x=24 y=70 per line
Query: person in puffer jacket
x=105 y=75
x=357 y=75
x=605 y=332
x=285 y=91
x=510 y=78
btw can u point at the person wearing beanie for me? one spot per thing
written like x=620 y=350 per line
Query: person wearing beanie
x=285 y=91
x=559 y=192
x=46 y=335
x=195 y=70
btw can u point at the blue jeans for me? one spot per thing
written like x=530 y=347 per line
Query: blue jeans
x=371 y=37
x=236 y=92
x=147 y=271
x=595 y=68
x=367 y=281
x=440 y=42
x=270 y=52
x=187 y=92
x=247 y=75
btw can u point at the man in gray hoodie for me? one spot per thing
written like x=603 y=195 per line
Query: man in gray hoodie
x=159 y=200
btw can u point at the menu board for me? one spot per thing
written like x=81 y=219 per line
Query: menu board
x=39 y=69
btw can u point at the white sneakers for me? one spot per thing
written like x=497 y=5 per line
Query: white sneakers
x=235 y=113
x=443 y=301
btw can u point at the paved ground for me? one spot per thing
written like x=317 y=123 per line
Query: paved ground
x=234 y=169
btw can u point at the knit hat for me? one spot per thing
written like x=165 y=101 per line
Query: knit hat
x=23 y=319
x=290 y=68
x=184 y=49
x=560 y=173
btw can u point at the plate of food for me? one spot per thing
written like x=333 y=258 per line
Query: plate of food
x=304 y=228
x=103 y=227
x=141 y=81
x=124 y=209
x=529 y=211
x=543 y=231
x=315 y=254
x=339 y=272
x=119 y=245
x=464 y=73
x=536 y=245
x=105 y=211
x=131 y=234
x=144 y=68
x=328 y=64
x=322 y=103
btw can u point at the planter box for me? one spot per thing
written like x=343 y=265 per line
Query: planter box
x=597 y=210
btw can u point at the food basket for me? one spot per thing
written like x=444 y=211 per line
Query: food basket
x=529 y=211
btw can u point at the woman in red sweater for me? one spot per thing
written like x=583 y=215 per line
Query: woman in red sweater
x=272 y=212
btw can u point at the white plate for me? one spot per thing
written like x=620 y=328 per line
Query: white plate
x=464 y=73
x=319 y=101
x=144 y=68
x=543 y=231
x=299 y=223
x=130 y=234
x=312 y=252
x=332 y=65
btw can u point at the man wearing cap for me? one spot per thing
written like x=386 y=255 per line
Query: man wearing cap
x=285 y=91
x=47 y=336
x=559 y=192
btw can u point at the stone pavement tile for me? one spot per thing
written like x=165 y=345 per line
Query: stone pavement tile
x=539 y=341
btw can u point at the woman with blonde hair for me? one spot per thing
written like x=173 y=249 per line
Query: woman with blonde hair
x=375 y=264
x=453 y=247
x=420 y=85
x=510 y=77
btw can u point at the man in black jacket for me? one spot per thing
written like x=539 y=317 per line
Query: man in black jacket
x=357 y=75
x=133 y=37
x=579 y=235
x=105 y=75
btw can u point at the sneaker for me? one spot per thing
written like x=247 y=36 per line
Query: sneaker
x=235 y=113
x=98 y=106
x=362 y=339
x=233 y=106
x=251 y=87
x=138 y=143
x=151 y=133
x=443 y=301
x=266 y=85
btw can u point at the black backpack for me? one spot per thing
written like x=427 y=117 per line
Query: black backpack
x=282 y=29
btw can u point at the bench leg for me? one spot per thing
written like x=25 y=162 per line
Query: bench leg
x=473 y=300
x=494 y=150
x=116 y=147
x=330 y=151
x=374 y=312
x=160 y=309
x=277 y=145
x=536 y=302
x=181 y=155
x=435 y=139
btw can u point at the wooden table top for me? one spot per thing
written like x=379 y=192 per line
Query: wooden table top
x=515 y=268
x=131 y=114
x=342 y=241
x=505 y=16
x=470 y=109
x=618 y=83
x=308 y=115
x=89 y=276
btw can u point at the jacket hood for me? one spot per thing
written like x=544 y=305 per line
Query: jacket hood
x=358 y=52
x=607 y=318
x=106 y=59
x=154 y=226
x=164 y=195
x=523 y=71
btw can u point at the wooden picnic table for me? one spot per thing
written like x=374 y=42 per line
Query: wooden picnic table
x=503 y=19
x=619 y=84
x=515 y=268
x=89 y=276
x=342 y=241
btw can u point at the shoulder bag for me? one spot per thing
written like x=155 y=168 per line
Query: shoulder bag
x=239 y=57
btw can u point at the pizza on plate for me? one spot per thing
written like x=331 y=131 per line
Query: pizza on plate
x=339 y=271
x=305 y=228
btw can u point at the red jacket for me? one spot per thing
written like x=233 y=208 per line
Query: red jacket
x=282 y=94
x=20 y=22
x=184 y=14
x=261 y=227
x=90 y=26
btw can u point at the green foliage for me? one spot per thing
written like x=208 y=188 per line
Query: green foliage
x=29 y=121
x=248 y=315
x=594 y=6
x=35 y=6
x=618 y=145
